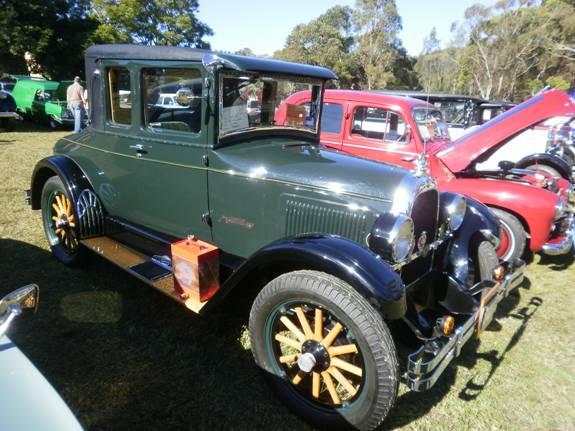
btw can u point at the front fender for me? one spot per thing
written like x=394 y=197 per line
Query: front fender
x=361 y=268
x=72 y=176
x=479 y=224
x=552 y=160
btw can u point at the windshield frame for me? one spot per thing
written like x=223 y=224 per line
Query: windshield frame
x=306 y=133
x=444 y=137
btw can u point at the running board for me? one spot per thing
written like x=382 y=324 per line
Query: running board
x=126 y=258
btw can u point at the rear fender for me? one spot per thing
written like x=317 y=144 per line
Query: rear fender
x=366 y=272
x=72 y=176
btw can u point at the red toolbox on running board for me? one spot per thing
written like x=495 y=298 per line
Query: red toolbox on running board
x=196 y=269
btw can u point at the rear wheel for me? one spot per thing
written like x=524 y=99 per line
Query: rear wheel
x=53 y=124
x=60 y=222
x=326 y=351
x=512 y=235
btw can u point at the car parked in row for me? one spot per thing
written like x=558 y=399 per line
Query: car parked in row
x=532 y=207
x=461 y=112
x=43 y=102
x=8 y=114
x=341 y=251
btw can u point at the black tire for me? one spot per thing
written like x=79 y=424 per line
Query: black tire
x=53 y=124
x=62 y=238
x=512 y=227
x=363 y=326
x=548 y=169
x=487 y=261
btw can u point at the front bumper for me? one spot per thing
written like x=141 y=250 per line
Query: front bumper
x=425 y=366
x=561 y=244
x=9 y=115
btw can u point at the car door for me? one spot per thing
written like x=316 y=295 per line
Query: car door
x=379 y=133
x=151 y=172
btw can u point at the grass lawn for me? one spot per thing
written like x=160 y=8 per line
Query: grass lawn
x=124 y=357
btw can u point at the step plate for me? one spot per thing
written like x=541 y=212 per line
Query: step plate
x=125 y=257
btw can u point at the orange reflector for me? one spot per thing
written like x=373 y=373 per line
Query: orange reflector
x=448 y=325
x=499 y=272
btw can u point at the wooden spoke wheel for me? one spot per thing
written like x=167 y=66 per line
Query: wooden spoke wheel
x=60 y=223
x=326 y=351
x=317 y=353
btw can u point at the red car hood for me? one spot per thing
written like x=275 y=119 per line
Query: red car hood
x=490 y=136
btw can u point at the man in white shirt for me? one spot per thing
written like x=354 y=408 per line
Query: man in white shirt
x=76 y=102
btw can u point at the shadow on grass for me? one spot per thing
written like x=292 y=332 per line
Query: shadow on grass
x=473 y=388
x=557 y=263
x=124 y=356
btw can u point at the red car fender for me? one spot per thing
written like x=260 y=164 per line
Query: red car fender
x=535 y=207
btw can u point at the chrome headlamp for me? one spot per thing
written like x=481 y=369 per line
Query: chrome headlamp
x=454 y=211
x=392 y=237
x=560 y=208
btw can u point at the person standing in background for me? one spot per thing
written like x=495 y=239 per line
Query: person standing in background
x=76 y=102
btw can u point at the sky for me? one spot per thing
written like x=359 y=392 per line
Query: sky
x=264 y=26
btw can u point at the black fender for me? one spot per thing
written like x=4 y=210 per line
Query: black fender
x=72 y=176
x=479 y=224
x=366 y=272
x=552 y=160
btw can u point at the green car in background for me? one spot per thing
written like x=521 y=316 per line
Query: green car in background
x=43 y=102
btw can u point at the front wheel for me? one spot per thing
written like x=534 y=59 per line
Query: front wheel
x=60 y=223
x=326 y=351
x=53 y=124
x=512 y=235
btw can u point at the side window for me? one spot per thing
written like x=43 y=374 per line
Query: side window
x=172 y=99
x=120 y=97
x=377 y=123
x=331 y=118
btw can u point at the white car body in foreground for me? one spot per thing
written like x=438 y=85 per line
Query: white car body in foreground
x=27 y=401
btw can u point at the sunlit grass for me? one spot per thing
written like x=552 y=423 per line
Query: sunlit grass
x=125 y=357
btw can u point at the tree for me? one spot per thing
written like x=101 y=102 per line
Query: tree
x=156 y=22
x=43 y=31
x=506 y=45
x=377 y=25
x=325 y=41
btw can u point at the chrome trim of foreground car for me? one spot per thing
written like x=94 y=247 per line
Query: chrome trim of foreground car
x=426 y=365
x=565 y=245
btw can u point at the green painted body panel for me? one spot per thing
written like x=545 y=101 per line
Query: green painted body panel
x=256 y=190
x=41 y=111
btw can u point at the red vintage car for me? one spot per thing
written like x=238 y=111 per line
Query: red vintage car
x=533 y=207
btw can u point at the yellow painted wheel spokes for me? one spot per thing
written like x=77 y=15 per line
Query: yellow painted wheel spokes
x=64 y=221
x=318 y=354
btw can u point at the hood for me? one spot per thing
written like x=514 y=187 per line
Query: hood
x=302 y=163
x=486 y=139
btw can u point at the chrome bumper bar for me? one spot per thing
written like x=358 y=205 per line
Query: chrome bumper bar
x=12 y=115
x=425 y=366
x=563 y=244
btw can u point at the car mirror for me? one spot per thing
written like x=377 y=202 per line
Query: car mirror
x=25 y=297
x=506 y=165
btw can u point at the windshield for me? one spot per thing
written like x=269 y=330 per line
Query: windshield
x=430 y=124
x=252 y=101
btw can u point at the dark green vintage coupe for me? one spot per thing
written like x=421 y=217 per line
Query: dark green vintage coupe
x=182 y=184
